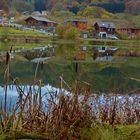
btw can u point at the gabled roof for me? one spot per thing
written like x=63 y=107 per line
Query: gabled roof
x=106 y=24
x=40 y=19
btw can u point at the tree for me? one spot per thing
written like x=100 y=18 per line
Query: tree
x=133 y=7
x=89 y=11
x=68 y=32
x=72 y=33
x=60 y=31
x=40 y=5
x=22 y=6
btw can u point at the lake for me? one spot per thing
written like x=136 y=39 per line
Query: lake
x=114 y=73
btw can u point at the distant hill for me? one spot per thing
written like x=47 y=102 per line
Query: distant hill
x=113 y=6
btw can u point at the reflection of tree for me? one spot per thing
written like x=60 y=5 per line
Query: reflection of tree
x=5 y=43
x=22 y=6
x=67 y=51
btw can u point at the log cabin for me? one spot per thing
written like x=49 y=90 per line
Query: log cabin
x=40 y=22
x=108 y=27
x=80 y=24
x=131 y=32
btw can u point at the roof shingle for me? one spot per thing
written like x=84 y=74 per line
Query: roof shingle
x=106 y=24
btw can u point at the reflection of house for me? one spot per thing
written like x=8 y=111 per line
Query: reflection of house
x=41 y=22
x=102 y=49
x=80 y=24
x=81 y=55
x=107 y=27
x=131 y=32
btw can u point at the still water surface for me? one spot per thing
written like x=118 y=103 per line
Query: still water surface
x=103 y=74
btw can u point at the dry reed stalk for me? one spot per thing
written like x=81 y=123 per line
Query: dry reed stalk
x=65 y=115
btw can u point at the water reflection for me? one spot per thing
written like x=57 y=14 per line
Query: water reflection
x=49 y=93
x=101 y=76
x=103 y=53
x=14 y=93
x=104 y=58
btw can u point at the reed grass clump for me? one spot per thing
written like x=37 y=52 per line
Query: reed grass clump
x=56 y=115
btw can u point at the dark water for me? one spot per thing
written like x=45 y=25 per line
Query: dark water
x=105 y=79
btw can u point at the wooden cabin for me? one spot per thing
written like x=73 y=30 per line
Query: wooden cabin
x=131 y=32
x=80 y=24
x=40 y=21
x=108 y=27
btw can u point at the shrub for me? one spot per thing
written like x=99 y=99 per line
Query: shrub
x=72 y=33
x=68 y=32
x=122 y=35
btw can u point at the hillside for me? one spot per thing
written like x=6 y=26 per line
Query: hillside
x=113 y=6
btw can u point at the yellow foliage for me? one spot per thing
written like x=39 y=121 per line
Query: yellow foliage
x=105 y=16
x=68 y=32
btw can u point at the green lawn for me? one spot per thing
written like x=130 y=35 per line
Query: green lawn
x=11 y=31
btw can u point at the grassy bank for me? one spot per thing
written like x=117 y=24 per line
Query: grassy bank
x=99 y=132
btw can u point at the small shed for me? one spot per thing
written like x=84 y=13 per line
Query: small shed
x=84 y=34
